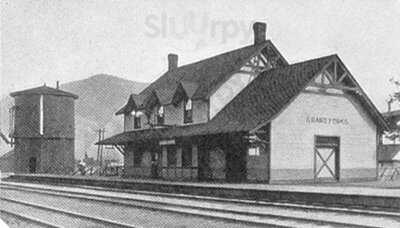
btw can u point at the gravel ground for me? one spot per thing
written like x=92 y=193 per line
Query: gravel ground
x=136 y=216
x=15 y=222
x=155 y=218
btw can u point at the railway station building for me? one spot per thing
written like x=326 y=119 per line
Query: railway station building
x=248 y=115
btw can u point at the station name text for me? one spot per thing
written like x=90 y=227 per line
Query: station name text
x=326 y=120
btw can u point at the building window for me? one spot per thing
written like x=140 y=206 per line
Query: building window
x=171 y=155
x=129 y=121
x=254 y=151
x=187 y=155
x=137 y=157
x=137 y=123
x=160 y=115
x=187 y=115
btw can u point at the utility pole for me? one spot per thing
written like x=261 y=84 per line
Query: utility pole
x=100 y=149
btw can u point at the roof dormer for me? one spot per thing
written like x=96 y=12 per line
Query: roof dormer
x=135 y=101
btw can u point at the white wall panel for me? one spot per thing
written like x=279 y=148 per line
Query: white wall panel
x=293 y=131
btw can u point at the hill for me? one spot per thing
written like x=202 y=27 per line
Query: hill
x=100 y=96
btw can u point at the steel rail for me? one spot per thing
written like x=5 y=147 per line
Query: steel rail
x=129 y=202
x=377 y=211
x=69 y=213
x=30 y=219
x=356 y=211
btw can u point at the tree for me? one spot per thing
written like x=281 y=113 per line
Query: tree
x=394 y=121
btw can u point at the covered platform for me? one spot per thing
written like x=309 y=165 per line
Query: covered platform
x=360 y=195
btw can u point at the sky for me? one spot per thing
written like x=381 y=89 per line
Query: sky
x=46 y=41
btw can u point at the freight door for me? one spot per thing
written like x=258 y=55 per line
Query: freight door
x=326 y=159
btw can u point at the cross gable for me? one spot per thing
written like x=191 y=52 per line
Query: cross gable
x=334 y=78
x=180 y=95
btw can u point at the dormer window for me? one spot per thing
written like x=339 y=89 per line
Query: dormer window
x=160 y=115
x=136 y=119
x=187 y=115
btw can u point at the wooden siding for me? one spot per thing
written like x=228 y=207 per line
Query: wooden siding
x=52 y=156
x=54 y=149
x=200 y=111
x=128 y=122
x=58 y=116
x=174 y=114
x=143 y=170
x=292 y=137
x=27 y=116
x=257 y=166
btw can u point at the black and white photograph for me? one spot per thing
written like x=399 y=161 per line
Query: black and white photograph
x=142 y=114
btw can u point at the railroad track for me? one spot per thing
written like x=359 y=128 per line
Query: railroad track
x=27 y=218
x=52 y=216
x=266 y=214
x=293 y=205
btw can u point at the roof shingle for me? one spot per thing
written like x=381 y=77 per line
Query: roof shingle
x=44 y=90
x=199 y=79
x=259 y=102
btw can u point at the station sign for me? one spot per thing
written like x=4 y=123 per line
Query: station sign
x=167 y=142
x=326 y=120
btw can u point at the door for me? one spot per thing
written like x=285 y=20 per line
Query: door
x=156 y=165
x=203 y=156
x=326 y=159
x=236 y=159
x=235 y=166
x=32 y=165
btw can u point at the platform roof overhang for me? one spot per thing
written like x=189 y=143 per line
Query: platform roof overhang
x=163 y=133
x=256 y=105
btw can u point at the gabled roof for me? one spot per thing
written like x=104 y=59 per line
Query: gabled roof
x=134 y=101
x=189 y=87
x=257 y=104
x=44 y=90
x=366 y=101
x=199 y=79
x=267 y=95
x=205 y=72
x=272 y=91
x=165 y=95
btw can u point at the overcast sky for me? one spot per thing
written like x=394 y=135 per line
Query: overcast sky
x=45 y=41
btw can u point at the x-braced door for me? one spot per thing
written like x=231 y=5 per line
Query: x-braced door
x=326 y=158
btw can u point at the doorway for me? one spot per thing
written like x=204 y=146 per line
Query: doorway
x=32 y=165
x=236 y=160
x=326 y=159
x=156 y=165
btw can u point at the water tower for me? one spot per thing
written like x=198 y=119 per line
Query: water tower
x=43 y=130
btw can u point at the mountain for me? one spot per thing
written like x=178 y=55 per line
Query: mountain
x=100 y=96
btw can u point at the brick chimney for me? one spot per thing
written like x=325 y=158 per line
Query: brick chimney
x=260 y=30
x=172 y=61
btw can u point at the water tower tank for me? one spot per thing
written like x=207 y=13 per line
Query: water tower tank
x=44 y=130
